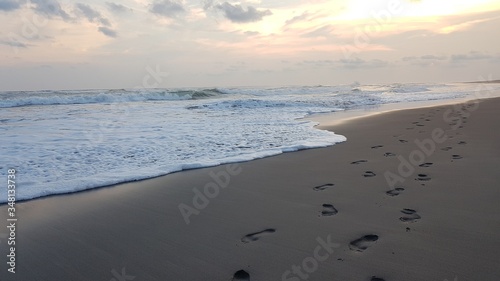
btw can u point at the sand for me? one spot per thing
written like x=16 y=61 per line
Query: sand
x=319 y=214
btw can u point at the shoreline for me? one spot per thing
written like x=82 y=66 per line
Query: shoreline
x=271 y=214
x=325 y=121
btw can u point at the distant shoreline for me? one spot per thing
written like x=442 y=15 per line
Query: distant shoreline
x=492 y=81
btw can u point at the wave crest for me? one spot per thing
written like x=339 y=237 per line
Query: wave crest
x=17 y=99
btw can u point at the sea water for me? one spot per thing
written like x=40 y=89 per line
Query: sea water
x=67 y=141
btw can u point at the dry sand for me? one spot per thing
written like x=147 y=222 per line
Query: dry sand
x=308 y=215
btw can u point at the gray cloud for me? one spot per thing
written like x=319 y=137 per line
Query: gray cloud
x=117 y=8
x=323 y=31
x=167 y=8
x=50 y=8
x=453 y=60
x=95 y=16
x=470 y=56
x=433 y=57
x=236 y=13
x=356 y=63
x=207 y=4
x=409 y=58
x=251 y=33
x=425 y=58
x=14 y=43
x=91 y=14
x=317 y=62
x=9 y=5
x=108 y=31
x=298 y=18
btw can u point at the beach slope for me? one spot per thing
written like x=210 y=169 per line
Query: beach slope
x=411 y=195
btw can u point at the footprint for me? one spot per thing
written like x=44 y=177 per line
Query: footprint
x=374 y=278
x=359 y=162
x=395 y=192
x=462 y=142
x=423 y=177
x=323 y=187
x=241 y=275
x=403 y=141
x=256 y=236
x=377 y=146
x=456 y=157
x=388 y=154
x=446 y=148
x=369 y=174
x=410 y=215
x=328 y=210
x=425 y=165
x=361 y=244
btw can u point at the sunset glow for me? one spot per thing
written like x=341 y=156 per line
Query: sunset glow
x=76 y=39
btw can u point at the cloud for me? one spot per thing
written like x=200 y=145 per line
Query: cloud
x=302 y=17
x=251 y=33
x=454 y=60
x=425 y=58
x=95 y=16
x=13 y=43
x=357 y=63
x=323 y=31
x=317 y=63
x=108 y=31
x=463 y=26
x=167 y=8
x=236 y=13
x=91 y=14
x=433 y=57
x=470 y=57
x=117 y=8
x=9 y=5
x=50 y=8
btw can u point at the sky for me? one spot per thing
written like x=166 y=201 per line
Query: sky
x=63 y=44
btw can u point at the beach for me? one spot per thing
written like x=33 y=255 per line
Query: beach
x=411 y=195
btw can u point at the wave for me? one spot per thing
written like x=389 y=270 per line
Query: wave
x=41 y=98
x=17 y=99
x=408 y=88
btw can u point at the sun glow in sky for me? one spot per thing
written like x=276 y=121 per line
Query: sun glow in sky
x=63 y=44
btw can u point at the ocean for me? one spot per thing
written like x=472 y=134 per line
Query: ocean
x=67 y=141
